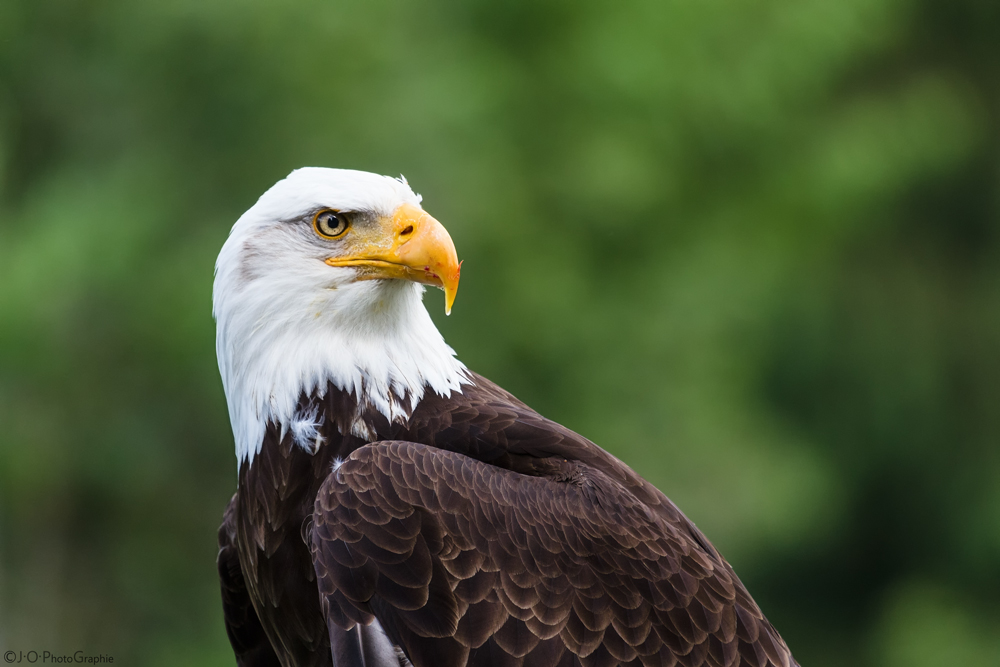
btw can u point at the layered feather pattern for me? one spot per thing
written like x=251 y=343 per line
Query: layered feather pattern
x=467 y=563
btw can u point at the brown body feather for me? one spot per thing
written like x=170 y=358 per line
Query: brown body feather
x=477 y=533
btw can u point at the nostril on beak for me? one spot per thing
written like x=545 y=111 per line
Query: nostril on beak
x=407 y=231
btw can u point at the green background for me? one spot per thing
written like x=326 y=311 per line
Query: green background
x=750 y=247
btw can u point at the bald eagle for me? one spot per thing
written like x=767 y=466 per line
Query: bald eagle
x=393 y=507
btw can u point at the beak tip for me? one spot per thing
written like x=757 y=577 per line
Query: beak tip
x=451 y=289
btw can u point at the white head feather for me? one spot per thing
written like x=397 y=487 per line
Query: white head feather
x=288 y=324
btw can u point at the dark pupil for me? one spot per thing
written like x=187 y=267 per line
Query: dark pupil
x=331 y=223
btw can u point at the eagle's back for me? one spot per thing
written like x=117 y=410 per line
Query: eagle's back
x=495 y=470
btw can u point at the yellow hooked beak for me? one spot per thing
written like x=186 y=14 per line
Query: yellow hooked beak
x=417 y=247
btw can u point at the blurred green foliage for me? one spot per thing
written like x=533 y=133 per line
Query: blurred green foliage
x=750 y=247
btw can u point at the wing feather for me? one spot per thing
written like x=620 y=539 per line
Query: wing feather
x=246 y=634
x=463 y=562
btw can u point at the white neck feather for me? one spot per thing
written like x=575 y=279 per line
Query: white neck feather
x=269 y=360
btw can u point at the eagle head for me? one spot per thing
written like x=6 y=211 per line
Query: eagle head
x=321 y=281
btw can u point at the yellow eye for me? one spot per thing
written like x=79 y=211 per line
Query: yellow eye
x=330 y=224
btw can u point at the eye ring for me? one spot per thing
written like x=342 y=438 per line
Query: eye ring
x=330 y=224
